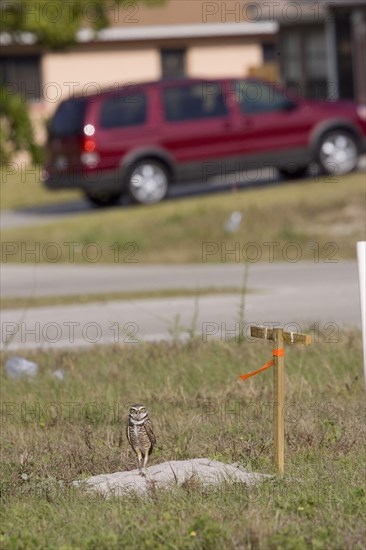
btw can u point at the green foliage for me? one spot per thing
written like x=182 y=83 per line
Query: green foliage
x=55 y=23
x=40 y=18
x=16 y=129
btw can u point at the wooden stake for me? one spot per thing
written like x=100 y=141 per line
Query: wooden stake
x=279 y=403
x=280 y=338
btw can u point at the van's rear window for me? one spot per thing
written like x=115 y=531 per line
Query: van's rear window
x=69 y=118
x=127 y=110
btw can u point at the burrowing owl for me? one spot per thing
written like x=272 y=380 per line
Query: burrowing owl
x=140 y=433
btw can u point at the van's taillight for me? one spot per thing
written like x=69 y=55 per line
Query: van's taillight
x=89 y=145
x=89 y=157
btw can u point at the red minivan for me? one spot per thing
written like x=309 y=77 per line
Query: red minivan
x=139 y=139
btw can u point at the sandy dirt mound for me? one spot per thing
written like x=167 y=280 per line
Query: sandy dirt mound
x=176 y=472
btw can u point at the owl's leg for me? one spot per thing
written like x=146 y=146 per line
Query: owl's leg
x=139 y=457
x=146 y=458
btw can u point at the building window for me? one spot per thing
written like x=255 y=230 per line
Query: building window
x=173 y=63
x=344 y=55
x=291 y=58
x=268 y=52
x=315 y=61
x=304 y=61
x=22 y=75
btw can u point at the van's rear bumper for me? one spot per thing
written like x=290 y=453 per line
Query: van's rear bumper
x=110 y=180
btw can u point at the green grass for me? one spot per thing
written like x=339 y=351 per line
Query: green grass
x=21 y=188
x=13 y=302
x=305 y=220
x=54 y=432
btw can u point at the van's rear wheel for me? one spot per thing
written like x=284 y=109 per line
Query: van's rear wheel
x=103 y=198
x=147 y=181
x=338 y=152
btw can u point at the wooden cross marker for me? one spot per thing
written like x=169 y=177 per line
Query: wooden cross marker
x=279 y=337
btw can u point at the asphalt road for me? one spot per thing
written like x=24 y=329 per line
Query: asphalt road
x=322 y=295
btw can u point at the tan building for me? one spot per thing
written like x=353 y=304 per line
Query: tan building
x=192 y=38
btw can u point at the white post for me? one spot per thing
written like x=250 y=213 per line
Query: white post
x=361 y=256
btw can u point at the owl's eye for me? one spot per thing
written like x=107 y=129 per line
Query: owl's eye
x=142 y=410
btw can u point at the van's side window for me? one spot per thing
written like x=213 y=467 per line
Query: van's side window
x=126 y=110
x=195 y=101
x=257 y=97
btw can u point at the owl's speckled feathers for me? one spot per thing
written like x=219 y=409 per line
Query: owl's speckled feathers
x=140 y=433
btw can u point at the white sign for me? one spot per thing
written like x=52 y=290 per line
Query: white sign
x=361 y=256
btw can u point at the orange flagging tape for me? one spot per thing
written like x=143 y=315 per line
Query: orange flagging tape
x=280 y=352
